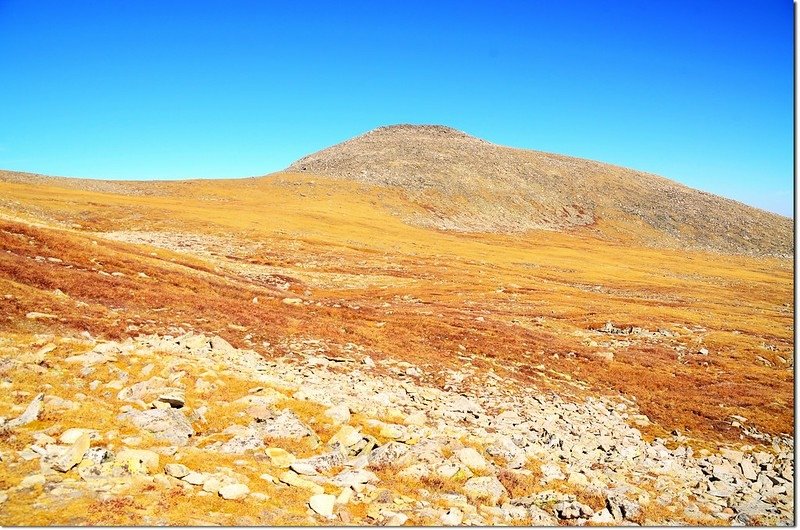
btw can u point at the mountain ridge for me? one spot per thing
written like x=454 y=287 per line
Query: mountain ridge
x=456 y=182
x=468 y=184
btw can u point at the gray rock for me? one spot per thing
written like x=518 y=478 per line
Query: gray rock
x=63 y=458
x=286 y=425
x=721 y=489
x=623 y=508
x=571 y=510
x=98 y=455
x=143 y=390
x=234 y=491
x=539 y=517
x=452 y=517
x=166 y=424
x=30 y=414
x=487 y=489
x=318 y=464
x=749 y=470
x=387 y=454
x=194 y=478
x=724 y=472
x=472 y=459
x=339 y=413
x=322 y=504
x=177 y=470
x=354 y=478
x=174 y=398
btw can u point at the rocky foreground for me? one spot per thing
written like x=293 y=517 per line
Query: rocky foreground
x=190 y=430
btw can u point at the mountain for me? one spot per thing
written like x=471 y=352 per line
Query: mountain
x=466 y=184
x=169 y=346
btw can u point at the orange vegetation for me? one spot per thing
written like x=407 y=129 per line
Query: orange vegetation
x=522 y=305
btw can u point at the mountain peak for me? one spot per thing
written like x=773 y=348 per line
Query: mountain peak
x=462 y=183
x=421 y=129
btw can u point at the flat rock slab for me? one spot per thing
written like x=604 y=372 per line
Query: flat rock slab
x=167 y=424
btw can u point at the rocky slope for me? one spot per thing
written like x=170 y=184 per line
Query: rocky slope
x=189 y=430
x=464 y=183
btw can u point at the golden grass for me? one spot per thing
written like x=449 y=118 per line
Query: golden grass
x=534 y=291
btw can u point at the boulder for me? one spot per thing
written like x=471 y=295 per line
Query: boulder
x=452 y=517
x=322 y=504
x=339 y=413
x=65 y=458
x=32 y=480
x=280 y=457
x=487 y=489
x=194 y=478
x=70 y=436
x=318 y=464
x=138 y=460
x=347 y=436
x=293 y=301
x=30 y=415
x=539 y=517
x=293 y=479
x=387 y=454
x=354 y=478
x=472 y=459
x=176 y=470
x=174 y=398
x=167 y=424
x=234 y=491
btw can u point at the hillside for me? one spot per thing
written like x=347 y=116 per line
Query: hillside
x=466 y=184
x=290 y=349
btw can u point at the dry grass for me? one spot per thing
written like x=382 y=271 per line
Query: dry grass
x=329 y=231
x=519 y=485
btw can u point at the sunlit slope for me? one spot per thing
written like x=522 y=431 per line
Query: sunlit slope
x=524 y=305
x=463 y=183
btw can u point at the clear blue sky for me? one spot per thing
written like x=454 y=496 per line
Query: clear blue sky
x=697 y=91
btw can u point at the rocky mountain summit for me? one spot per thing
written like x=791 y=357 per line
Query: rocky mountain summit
x=187 y=429
x=466 y=184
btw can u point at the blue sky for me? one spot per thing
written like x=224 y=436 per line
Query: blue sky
x=697 y=91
